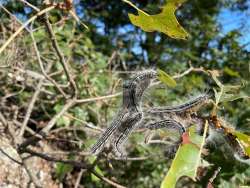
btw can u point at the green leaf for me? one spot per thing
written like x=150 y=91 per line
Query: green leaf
x=231 y=72
x=165 y=78
x=226 y=92
x=187 y=158
x=164 y=22
x=99 y=171
x=91 y=159
x=244 y=140
x=62 y=169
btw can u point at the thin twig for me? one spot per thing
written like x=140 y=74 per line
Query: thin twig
x=52 y=122
x=52 y=159
x=31 y=105
x=114 y=184
x=29 y=110
x=24 y=25
x=42 y=68
x=30 y=5
x=60 y=55
x=79 y=177
x=11 y=158
x=11 y=15
x=79 y=101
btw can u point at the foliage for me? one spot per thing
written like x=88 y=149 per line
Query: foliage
x=101 y=57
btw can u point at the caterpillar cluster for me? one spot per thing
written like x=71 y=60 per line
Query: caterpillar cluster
x=131 y=116
x=128 y=116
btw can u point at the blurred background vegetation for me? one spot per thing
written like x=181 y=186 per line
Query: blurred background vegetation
x=111 y=50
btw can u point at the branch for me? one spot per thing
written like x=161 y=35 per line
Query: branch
x=52 y=159
x=79 y=101
x=31 y=106
x=60 y=55
x=42 y=68
x=12 y=37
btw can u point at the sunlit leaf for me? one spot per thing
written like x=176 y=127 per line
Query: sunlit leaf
x=166 y=79
x=187 y=158
x=164 y=22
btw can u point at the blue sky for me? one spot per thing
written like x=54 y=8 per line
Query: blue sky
x=231 y=20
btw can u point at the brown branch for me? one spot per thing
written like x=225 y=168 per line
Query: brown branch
x=88 y=167
x=42 y=68
x=79 y=101
x=56 y=48
x=114 y=184
x=52 y=159
x=60 y=55
x=29 y=110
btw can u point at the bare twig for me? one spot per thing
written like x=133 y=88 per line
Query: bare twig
x=11 y=158
x=52 y=159
x=9 y=13
x=79 y=177
x=52 y=122
x=30 y=5
x=29 y=110
x=24 y=25
x=79 y=101
x=49 y=126
x=114 y=184
x=60 y=55
x=42 y=68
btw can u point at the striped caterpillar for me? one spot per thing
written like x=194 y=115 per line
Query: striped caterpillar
x=190 y=106
x=167 y=123
x=129 y=115
x=133 y=89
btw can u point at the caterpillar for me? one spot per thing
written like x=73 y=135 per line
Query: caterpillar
x=134 y=89
x=124 y=131
x=130 y=113
x=98 y=146
x=167 y=123
x=188 y=106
